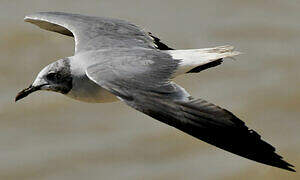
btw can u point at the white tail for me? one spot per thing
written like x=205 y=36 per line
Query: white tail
x=192 y=58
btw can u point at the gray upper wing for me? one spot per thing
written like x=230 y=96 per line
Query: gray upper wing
x=93 y=33
x=141 y=79
x=125 y=71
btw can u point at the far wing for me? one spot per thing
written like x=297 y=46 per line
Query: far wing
x=93 y=33
x=145 y=87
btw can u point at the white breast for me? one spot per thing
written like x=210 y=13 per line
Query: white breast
x=83 y=89
x=88 y=91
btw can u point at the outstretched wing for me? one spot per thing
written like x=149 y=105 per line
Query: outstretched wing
x=93 y=33
x=142 y=81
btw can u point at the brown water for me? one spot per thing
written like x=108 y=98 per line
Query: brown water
x=48 y=136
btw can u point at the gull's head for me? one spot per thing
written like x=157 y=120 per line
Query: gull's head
x=55 y=77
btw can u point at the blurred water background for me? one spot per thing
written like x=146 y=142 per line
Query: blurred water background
x=48 y=136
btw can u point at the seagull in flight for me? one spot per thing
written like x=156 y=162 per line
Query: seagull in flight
x=117 y=60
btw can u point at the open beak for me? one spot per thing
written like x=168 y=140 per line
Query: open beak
x=26 y=92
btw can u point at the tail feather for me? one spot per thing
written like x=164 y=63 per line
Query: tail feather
x=196 y=60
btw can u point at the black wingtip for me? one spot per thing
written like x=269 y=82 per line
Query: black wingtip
x=290 y=169
x=287 y=166
x=159 y=44
x=206 y=66
x=273 y=159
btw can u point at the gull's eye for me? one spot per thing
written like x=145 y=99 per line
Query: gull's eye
x=53 y=76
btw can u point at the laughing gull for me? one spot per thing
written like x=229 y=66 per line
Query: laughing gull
x=116 y=60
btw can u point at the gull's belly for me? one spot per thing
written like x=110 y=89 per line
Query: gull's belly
x=87 y=91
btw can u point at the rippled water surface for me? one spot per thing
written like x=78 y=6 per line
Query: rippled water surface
x=49 y=136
